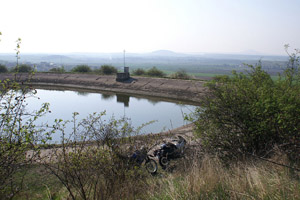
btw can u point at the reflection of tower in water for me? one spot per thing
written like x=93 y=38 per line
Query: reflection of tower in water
x=121 y=98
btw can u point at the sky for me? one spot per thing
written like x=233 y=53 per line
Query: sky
x=187 y=26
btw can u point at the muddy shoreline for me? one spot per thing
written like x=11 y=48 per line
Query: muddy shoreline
x=175 y=89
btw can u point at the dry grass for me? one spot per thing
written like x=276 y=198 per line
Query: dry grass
x=209 y=179
x=205 y=178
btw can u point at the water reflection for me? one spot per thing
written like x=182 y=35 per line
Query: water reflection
x=167 y=115
x=153 y=102
x=122 y=98
x=81 y=93
x=107 y=96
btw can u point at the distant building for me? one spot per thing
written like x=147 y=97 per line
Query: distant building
x=123 y=76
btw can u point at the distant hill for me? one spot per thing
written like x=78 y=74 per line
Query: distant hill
x=56 y=58
x=166 y=60
x=166 y=53
x=250 y=52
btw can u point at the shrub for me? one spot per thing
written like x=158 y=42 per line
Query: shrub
x=81 y=69
x=23 y=68
x=107 y=70
x=139 y=72
x=155 y=72
x=18 y=136
x=58 y=69
x=3 y=69
x=92 y=162
x=251 y=113
x=181 y=74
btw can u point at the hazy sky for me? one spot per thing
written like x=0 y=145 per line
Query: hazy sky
x=223 y=26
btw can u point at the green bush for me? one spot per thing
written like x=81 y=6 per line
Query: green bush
x=23 y=68
x=58 y=69
x=251 y=113
x=107 y=70
x=181 y=74
x=139 y=72
x=19 y=135
x=3 y=69
x=81 y=69
x=155 y=72
x=92 y=162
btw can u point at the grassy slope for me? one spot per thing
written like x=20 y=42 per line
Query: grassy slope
x=192 y=179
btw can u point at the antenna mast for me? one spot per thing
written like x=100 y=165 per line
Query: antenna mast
x=124 y=58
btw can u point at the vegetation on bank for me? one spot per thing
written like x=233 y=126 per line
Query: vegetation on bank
x=81 y=69
x=250 y=113
x=111 y=70
x=58 y=69
x=23 y=68
x=107 y=70
x=104 y=70
x=198 y=177
x=3 y=69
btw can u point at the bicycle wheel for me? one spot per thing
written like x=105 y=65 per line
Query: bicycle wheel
x=151 y=166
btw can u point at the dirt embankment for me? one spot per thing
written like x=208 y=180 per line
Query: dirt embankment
x=185 y=90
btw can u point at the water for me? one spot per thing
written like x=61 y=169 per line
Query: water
x=167 y=115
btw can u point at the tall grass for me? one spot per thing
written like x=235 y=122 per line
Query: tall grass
x=210 y=179
x=205 y=178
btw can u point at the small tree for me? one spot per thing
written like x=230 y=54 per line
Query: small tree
x=81 y=69
x=107 y=70
x=3 y=69
x=155 y=72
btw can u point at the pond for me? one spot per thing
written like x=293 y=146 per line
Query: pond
x=167 y=115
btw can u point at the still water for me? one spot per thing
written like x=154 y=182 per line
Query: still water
x=167 y=115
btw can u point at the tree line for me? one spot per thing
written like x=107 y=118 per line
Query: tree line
x=103 y=69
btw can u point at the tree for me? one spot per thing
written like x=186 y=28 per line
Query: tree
x=81 y=69
x=3 y=69
x=155 y=72
x=250 y=113
x=107 y=70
